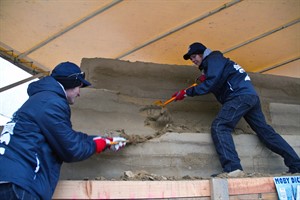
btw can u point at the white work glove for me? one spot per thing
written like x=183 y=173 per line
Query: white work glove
x=115 y=143
x=112 y=143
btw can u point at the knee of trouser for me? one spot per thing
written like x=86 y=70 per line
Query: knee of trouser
x=219 y=126
x=214 y=127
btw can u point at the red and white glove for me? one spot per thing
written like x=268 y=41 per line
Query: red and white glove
x=180 y=95
x=112 y=143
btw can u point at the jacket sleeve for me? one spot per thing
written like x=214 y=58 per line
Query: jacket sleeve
x=68 y=144
x=214 y=68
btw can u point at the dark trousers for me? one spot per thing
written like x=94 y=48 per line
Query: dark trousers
x=9 y=191
x=249 y=107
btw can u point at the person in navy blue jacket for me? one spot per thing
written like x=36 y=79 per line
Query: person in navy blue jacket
x=232 y=87
x=40 y=137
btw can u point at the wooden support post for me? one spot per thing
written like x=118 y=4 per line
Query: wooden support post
x=219 y=189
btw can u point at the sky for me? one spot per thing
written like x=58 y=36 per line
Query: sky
x=11 y=99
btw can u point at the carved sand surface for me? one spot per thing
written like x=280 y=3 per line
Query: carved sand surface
x=172 y=142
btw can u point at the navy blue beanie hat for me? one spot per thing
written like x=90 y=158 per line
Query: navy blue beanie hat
x=195 y=48
x=69 y=75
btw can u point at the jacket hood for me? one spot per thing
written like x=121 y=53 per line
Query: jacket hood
x=46 y=84
x=206 y=53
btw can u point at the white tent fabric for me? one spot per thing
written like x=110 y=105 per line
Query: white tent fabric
x=262 y=36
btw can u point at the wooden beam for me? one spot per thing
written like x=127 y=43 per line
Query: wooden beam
x=264 y=196
x=237 y=187
x=131 y=189
x=11 y=55
x=251 y=185
x=21 y=82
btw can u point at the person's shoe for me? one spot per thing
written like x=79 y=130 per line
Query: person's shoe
x=233 y=174
x=236 y=173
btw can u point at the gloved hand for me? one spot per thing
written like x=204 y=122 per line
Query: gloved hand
x=201 y=78
x=112 y=143
x=179 y=95
x=115 y=143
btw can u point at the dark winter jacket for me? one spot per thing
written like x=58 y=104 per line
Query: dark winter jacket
x=41 y=138
x=224 y=78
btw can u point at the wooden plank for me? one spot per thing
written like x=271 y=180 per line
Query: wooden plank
x=251 y=185
x=131 y=189
x=21 y=82
x=219 y=189
x=269 y=196
x=264 y=196
x=238 y=188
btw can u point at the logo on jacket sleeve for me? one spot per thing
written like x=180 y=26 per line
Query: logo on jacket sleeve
x=6 y=133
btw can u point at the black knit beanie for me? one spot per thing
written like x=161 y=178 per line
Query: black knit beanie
x=68 y=82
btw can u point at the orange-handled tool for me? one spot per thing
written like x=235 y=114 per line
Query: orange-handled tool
x=163 y=104
x=117 y=142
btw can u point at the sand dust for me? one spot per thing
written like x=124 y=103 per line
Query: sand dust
x=159 y=119
x=142 y=175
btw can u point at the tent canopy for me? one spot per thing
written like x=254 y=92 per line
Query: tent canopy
x=262 y=36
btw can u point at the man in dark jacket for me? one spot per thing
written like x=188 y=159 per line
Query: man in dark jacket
x=40 y=137
x=232 y=87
